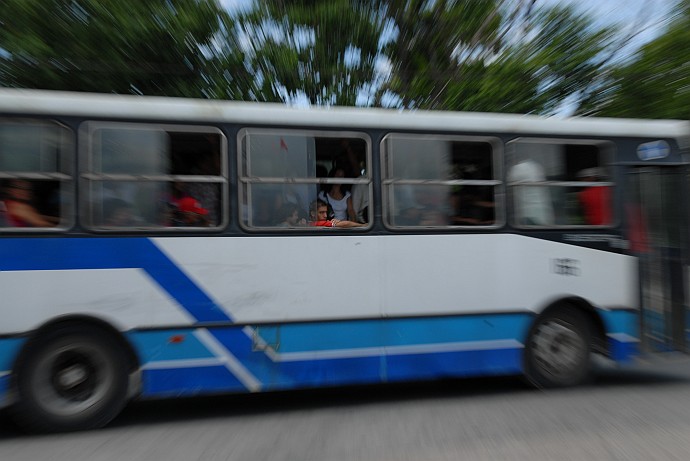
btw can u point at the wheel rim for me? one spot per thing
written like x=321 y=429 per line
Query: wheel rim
x=71 y=379
x=558 y=348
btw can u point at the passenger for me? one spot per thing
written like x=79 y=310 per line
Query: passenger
x=20 y=209
x=594 y=200
x=177 y=193
x=207 y=193
x=534 y=201
x=318 y=215
x=190 y=213
x=290 y=216
x=339 y=199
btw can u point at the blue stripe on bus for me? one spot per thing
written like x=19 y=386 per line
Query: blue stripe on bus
x=621 y=321
x=392 y=332
x=4 y=389
x=9 y=348
x=167 y=345
x=622 y=327
x=454 y=364
x=336 y=372
x=209 y=379
x=182 y=382
x=623 y=351
x=488 y=327
x=23 y=254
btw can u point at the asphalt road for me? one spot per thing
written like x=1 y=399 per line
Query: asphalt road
x=637 y=413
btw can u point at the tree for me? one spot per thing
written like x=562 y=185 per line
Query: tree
x=153 y=47
x=432 y=39
x=502 y=56
x=322 y=52
x=657 y=83
x=479 y=55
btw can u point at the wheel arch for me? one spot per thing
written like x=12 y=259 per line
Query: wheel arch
x=82 y=322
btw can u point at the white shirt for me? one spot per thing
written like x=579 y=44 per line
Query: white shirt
x=339 y=206
x=533 y=203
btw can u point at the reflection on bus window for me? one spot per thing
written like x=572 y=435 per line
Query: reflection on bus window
x=439 y=181
x=556 y=183
x=161 y=177
x=282 y=173
x=35 y=167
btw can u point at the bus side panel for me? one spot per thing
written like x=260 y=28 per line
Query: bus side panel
x=234 y=359
x=472 y=345
x=318 y=354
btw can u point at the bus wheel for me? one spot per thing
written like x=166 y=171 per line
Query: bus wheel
x=558 y=349
x=70 y=379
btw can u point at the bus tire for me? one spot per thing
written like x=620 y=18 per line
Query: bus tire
x=70 y=379
x=558 y=349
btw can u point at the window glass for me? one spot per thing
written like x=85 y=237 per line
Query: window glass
x=439 y=181
x=154 y=177
x=284 y=174
x=35 y=175
x=132 y=151
x=560 y=183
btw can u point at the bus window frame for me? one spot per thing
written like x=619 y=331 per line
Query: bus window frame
x=88 y=176
x=497 y=182
x=607 y=151
x=67 y=187
x=244 y=182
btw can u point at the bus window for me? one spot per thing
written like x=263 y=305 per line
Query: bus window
x=282 y=173
x=151 y=177
x=440 y=181
x=35 y=175
x=556 y=183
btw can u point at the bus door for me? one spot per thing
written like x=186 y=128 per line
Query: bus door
x=658 y=231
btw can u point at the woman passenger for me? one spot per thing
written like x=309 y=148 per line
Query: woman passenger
x=20 y=211
x=339 y=199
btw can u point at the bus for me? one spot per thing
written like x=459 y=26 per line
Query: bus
x=158 y=247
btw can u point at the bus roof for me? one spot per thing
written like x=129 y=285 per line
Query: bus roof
x=102 y=105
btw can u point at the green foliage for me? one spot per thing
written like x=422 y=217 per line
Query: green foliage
x=495 y=56
x=321 y=51
x=657 y=83
x=155 y=47
x=424 y=57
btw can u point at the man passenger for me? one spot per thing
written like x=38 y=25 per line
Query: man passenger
x=318 y=217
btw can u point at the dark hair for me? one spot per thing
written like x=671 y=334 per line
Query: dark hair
x=286 y=211
x=331 y=174
x=315 y=205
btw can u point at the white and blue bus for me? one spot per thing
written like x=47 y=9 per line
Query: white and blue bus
x=162 y=247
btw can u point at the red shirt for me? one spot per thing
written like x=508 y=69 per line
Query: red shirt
x=596 y=202
x=325 y=223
